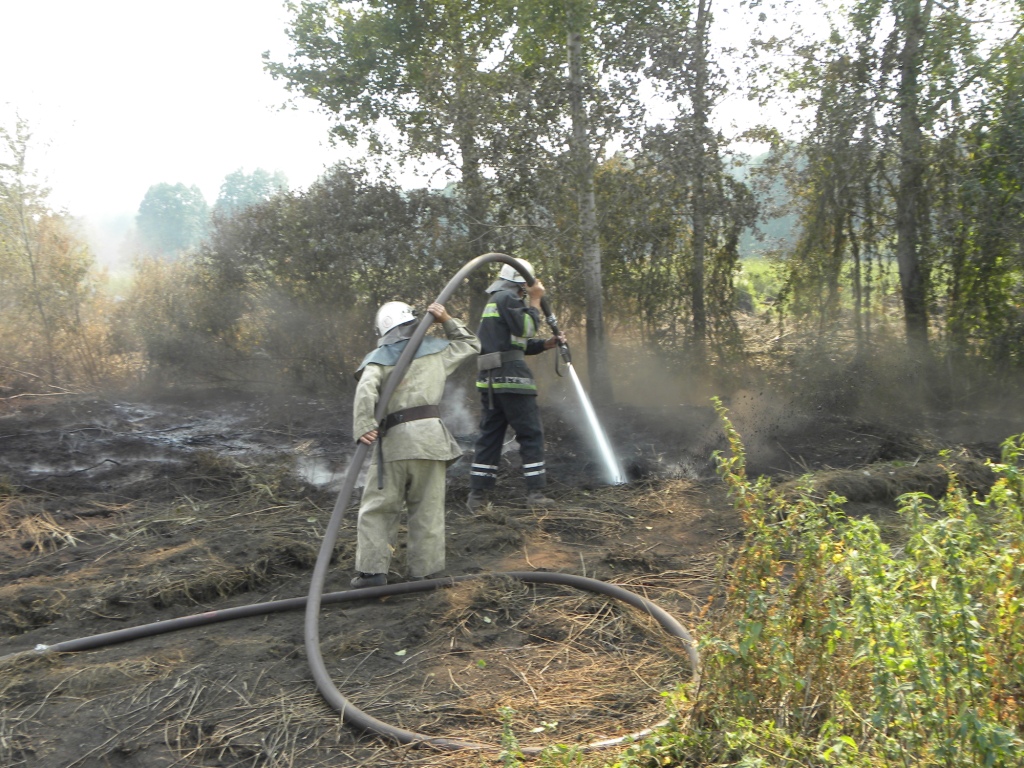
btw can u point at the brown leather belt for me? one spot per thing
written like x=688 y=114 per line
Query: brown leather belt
x=415 y=413
x=392 y=420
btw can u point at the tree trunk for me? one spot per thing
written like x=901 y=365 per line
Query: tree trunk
x=475 y=206
x=908 y=201
x=870 y=246
x=699 y=99
x=597 y=358
x=473 y=192
x=858 y=321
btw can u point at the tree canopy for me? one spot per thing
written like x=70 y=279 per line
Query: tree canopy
x=240 y=190
x=172 y=218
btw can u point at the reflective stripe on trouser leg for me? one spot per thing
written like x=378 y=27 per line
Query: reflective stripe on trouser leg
x=531 y=472
x=487 y=449
x=487 y=473
x=421 y=483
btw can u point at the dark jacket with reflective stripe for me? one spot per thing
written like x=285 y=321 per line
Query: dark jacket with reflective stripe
x=507 y=323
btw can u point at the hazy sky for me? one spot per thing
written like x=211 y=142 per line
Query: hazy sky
x=124 y=94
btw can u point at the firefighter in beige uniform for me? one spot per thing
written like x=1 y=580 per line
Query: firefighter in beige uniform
x=413 y=442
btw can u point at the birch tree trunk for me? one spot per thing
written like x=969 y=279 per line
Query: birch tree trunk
x=583 y=163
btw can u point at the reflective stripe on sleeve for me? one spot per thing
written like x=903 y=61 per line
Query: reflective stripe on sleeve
x=529 y=327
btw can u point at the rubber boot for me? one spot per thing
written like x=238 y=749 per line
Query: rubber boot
x=538 y=499
x=477 y=500
x=369 y=580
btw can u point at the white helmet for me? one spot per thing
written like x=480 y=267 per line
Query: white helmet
x=508 y=272
x=392 y=314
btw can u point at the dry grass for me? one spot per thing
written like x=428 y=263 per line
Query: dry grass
x=573 y=667
x=33 y=529
x=654 y=499
x=228 y=724
x=177 y=552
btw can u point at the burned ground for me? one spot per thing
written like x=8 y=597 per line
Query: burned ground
x=122 y=511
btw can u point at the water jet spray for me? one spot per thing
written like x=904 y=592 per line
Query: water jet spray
x=614 y=474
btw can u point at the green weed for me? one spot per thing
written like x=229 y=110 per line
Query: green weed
x=835 y=649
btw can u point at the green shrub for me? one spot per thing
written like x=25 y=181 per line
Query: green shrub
x=834 y=648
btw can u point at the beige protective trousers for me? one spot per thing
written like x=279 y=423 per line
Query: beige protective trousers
x=418 y=483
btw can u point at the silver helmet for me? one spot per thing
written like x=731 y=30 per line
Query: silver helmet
x=393 y=314
x=508 y=272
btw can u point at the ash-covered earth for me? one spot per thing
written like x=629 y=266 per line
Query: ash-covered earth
x=120 y=511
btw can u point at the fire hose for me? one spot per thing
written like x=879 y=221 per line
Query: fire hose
x=351 y=714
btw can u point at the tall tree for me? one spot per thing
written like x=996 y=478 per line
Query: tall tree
x=172 y=218
x=606 y=44
x=691 y=158
x=912 y=21
x=583 y=164
x=681 y=64
x=835 y=182
x=48 y=301
x=702 y=145
x=240 y=190
x=425 y=68
x=503 y=91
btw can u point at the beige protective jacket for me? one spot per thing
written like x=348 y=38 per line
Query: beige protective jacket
x=423 y=384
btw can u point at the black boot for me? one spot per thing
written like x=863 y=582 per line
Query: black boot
x=477 y=500
x=369 y=580
x=538 y=499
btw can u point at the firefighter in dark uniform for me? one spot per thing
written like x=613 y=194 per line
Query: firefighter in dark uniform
x=508 y=392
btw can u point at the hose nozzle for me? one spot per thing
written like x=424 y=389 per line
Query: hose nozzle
x=552 y=321
x=563 y=347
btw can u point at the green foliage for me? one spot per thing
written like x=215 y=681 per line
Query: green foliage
x=168 y=318
x=485 y=87
x=284 y=291
x=982 y=202
x=172 y=218
x=650 y=248
x=912 y=158
x=511 y=755
x=759 y=278
x=432 y=72
x=240 y=190
x=836 y=649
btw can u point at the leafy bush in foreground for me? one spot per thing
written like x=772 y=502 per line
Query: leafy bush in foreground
x=834 y=648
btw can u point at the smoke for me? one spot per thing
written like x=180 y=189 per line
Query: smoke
x=456 y=412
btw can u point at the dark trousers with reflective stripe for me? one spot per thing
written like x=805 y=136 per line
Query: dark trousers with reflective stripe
x=521 y=413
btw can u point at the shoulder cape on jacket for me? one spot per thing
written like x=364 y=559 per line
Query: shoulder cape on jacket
x=389 y=353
